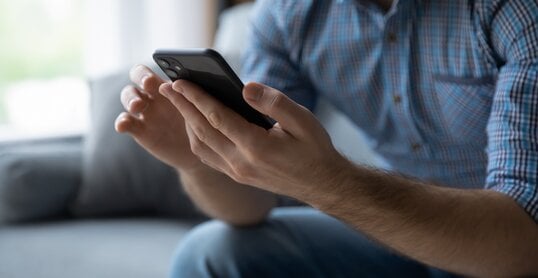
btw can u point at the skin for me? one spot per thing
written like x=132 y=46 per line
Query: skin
x=232 y=170
x=156 y=124
x=473 y=232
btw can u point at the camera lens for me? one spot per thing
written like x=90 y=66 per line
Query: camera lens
x=172 y=74
x=177 y=68
x=163 y=63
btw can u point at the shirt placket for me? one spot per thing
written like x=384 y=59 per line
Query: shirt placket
x=396 y=55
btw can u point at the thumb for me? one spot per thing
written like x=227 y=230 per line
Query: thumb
x=290 y=115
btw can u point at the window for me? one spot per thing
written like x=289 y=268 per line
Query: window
x=42 y=90
x=50 y=48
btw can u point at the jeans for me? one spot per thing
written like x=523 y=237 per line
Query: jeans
x=293 y=242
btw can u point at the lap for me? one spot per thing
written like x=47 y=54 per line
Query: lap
x=292 y=242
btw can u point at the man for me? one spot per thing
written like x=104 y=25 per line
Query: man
x=446 y=90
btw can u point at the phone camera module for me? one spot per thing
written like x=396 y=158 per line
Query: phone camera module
x=172 y=74
x=163 y=63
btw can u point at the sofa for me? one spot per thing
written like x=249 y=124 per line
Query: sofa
x=97 y=205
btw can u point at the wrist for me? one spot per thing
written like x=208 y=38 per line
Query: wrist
x=196 y=170
x=331 y=184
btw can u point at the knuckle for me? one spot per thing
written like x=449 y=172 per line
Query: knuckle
x=145 y=82
x=137 y=72
x=276 y=100
x=214 y=119
x=127 y=89
x=127 y=94
x=151 y=82
x=197 y=147
x=200 y=133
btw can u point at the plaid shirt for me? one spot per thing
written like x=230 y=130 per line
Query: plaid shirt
x=446 y=90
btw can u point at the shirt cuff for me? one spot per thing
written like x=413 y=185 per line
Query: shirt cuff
x=526 y=195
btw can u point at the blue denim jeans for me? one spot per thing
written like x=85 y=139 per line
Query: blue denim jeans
x=293 y=242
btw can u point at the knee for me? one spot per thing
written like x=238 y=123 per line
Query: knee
x=215 y=249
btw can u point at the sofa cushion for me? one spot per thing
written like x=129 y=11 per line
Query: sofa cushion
x=38 y=179
x=90 y=248
x=119 y=177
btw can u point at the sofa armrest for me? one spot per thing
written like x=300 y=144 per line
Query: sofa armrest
x=38 y=178
x=63 y=140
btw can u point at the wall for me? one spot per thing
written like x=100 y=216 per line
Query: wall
x=121 y=33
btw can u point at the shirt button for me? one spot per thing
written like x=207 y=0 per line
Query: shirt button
x=397 y=99
x=391 y=37
x=415 y=147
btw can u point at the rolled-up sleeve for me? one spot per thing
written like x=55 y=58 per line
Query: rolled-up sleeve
x=511 y=29
x=267 y=55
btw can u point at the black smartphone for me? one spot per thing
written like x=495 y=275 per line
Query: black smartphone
x=208 y=69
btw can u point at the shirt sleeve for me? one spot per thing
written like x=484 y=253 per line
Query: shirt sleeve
x=267 y=57
x=511 y=40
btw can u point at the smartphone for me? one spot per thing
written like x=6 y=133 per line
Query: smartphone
x=208 y=69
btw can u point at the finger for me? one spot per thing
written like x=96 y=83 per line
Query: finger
x=198 y=123
x=133 y=100
x=127 y=123
x=146 y=79
x=292 y=116
x=205 y=153
x=227 y=121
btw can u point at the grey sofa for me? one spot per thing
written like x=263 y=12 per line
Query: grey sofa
x=134 y=246
x=53 y=242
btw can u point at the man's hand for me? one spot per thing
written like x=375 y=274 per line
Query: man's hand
x=473 y=232
x=159 y=127
x=153 y=121
x=287 y=159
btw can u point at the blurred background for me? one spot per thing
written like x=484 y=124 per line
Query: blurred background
x=49 y=48
x=77 y=199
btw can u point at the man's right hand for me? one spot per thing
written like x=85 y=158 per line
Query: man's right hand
x=154 y=122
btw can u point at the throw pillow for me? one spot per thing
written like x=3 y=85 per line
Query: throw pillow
x=38 y=179
x=118 y=176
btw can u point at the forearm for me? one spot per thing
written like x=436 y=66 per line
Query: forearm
x=473 y=232
x=220 y=197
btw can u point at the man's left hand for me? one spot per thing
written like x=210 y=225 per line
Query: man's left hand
x=291 y=158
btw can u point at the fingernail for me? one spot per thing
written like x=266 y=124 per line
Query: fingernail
x=136 y=72
x=255 y=93
x=165 y=90
x=176 y=87
x=143 y=79
x=131 y=103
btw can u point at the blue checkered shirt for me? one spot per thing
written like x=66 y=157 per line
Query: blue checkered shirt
x=446 y=90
